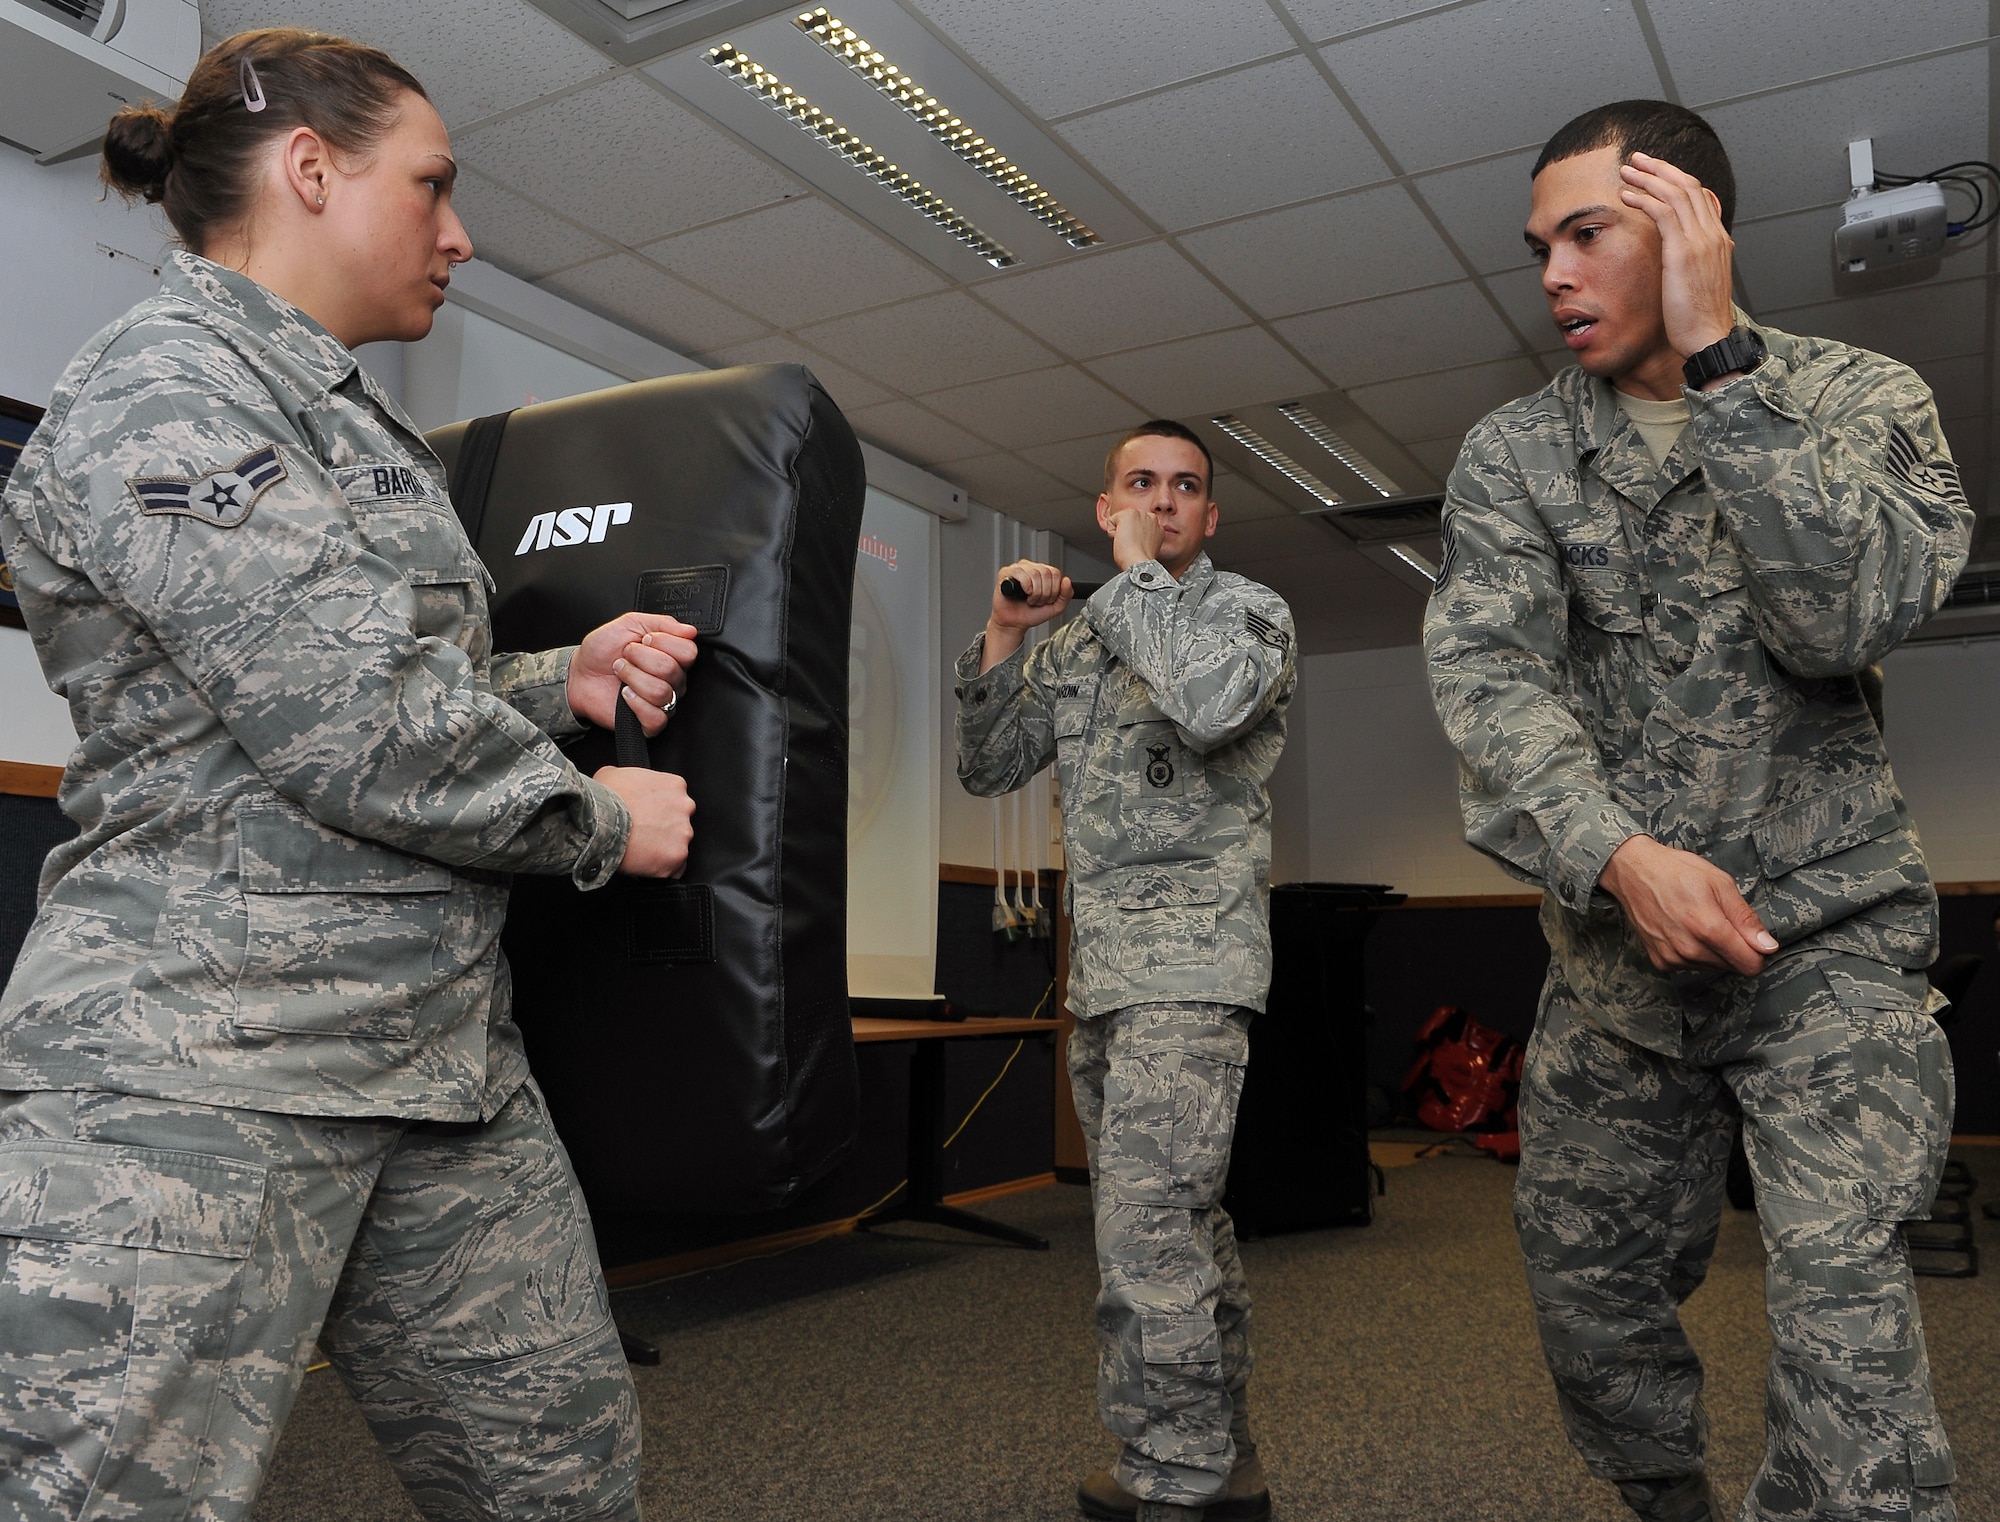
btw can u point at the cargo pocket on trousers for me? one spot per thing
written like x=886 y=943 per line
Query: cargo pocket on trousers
x=1903 y=1085
x=120 y=1272
x=1184 y=1415
x=1931 y=1474
x=1168 y=1120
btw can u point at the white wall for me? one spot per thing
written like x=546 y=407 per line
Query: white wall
x=1382 y=780
x=1382 y=785
x=62 y=287
x=1941 y=715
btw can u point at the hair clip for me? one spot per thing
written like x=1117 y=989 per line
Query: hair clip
x=253 y=87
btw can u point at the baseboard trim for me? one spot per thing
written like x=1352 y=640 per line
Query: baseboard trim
x=679 y=1265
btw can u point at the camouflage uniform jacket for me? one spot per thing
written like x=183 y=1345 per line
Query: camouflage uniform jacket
x=1163 y=707
x=302 y=778
x=1617 y=649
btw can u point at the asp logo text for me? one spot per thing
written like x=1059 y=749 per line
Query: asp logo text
x=573 y=525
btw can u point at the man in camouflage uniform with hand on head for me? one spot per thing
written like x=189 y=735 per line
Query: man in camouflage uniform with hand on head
x=1163 y=707
x=1664 y=576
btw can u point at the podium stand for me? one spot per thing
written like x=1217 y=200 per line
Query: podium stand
x=1300 y=1159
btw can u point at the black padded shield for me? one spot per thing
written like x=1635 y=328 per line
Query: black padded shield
x=692 y=1037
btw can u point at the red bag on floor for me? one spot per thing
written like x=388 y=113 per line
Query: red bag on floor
x=1466 y=1078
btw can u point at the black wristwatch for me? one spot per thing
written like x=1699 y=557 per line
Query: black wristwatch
x=1741 y=350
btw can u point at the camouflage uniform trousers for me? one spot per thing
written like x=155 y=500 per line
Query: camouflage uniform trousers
x=1156 y=1087
x=165 y=1268
x=1845 y=1089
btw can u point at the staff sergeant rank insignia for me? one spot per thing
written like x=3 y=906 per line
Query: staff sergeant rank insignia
x=222 y=497
x=1262 y=629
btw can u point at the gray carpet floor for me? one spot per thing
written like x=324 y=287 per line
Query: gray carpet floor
x=917 y=1374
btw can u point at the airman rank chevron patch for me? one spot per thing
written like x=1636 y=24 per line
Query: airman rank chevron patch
x=222 y=497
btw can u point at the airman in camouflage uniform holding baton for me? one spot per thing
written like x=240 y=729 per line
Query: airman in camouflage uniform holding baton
x=258 y=1080
x=1665 y=575
x=1163 y=708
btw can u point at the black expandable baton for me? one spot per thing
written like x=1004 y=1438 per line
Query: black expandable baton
x=1013 y=591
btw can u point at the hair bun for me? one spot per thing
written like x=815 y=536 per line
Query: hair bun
x=137 y=152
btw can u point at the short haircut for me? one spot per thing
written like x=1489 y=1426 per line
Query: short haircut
x=1165 y=428
x=1657 y=128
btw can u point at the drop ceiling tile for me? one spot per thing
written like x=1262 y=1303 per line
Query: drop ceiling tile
x=520 y=238
x=1483 y=207
x=1959 y=385
x=1260 y=137
x=1119 y=299
x=1393 y=336
x=1080 y=462
x=1325 y=19
x=929 y=343
x=847 y=389
x=1914 y=324
x=1274 y=539
x=1787 y=261
x=1789 y=150
x=1437 y=456
x=1512 y=72
x=623 y=159
x=919 y=436
x=1720 y=48
x=795 y=263
x=1345 y=249
x=1211 y=373
x=630 y=291
x=1447 y=404
x=1520 y=295
x=489 y=55
x=1040 y=407
x=1006 y=481
x=1075 y=519
x=1243 y=501
x=1059 y=56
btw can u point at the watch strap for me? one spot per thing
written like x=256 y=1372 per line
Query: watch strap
x=1741 y=350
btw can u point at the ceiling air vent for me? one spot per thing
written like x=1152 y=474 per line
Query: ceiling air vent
x=81 y=14
x=1978 y=587
x=633 y=31
x=1378 y=523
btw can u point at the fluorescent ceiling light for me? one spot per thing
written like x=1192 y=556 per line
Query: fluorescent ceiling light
x=1276 y=458
x=841 y=40
x=1415 y=562
x=1313 y=427
x=808 y=118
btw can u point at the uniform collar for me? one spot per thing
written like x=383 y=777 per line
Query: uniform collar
x=1198 y=575
x=1610 y=446
x=273 y=320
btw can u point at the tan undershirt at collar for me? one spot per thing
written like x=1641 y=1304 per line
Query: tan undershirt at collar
x=1659 y=423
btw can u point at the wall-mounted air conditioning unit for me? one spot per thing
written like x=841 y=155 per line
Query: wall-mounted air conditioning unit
x=67 y=65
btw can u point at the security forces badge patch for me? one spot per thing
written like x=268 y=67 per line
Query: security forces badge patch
x=1159 y=770
x=222 y=498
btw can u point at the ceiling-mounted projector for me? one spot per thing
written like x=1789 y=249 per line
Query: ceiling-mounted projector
x=1887 y=237
x=1893 y=233
x=66 y=66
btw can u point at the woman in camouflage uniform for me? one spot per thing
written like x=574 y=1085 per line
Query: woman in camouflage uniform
x=258 y=1081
